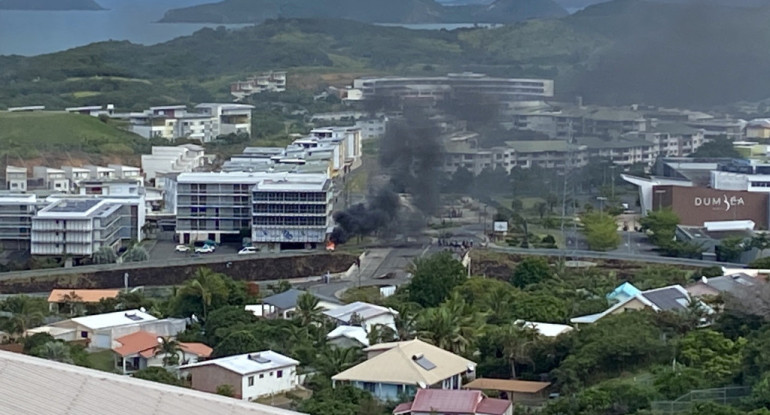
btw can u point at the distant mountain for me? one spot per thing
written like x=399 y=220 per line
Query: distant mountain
x=49 y=5
x=370 y=11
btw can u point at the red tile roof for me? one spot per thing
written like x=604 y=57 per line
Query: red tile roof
x=138 y=342
x=403 y=408
x=198 y=349
x=491 y=406
x=446 y=401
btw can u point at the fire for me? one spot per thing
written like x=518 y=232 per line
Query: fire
x=330 y=246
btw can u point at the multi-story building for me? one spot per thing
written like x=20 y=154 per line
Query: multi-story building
x=758 y=129
x=713 y=128
x=230 y=118
x=76 y=174
x=266 y=82
x=437 y=88
x=567 y=121
x=170 y=160
x=623 y=152
x=99 y=172
x=76 y=227
x=52 y=179
x=93 y=110
x=282 y=209
x=127 y=172
x=16 y=212
x=672 y=139
x=16 y=179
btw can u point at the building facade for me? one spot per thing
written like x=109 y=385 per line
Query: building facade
x=697 y=205
x=77 y=228
x=16 y=212
x=16 y=179
x=266 y=82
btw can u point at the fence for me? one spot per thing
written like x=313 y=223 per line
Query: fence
x=725 y=396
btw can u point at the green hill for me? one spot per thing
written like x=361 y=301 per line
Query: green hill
x=30 y=134
x=372 y=11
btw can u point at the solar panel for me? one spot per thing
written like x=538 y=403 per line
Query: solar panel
x=133 y=317
x=423 y=362
x=259 y=359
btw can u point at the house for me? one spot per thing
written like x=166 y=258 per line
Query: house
x=284 y=304
x=251 y=375
x=623 y=292
x=98 y=329
x=16 y=179
x=31 y=385
x=346 y=337
x=520 y=392
x=75 y=301
x=394 y=369
x=672 y=298
x=363 y=314
x=734 y=284
x=139 y=350
x=453 y=402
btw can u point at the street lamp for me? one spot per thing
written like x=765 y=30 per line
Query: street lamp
x=601 y=200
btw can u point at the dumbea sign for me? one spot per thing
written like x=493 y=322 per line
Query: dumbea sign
x=719 y=203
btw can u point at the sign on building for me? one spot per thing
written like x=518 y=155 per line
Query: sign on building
x=501 y=226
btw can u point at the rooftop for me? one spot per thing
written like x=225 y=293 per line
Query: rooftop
x=30 y=386
x=356 y=333
x=674 y=128
x=244 y=364
x=145 y=343
x=542 y=146
x=118 y=318
x=599 y=143
x=520 y=386
x=363 y=310
x=80 y=296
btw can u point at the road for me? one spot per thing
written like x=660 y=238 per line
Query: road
x=616 y=255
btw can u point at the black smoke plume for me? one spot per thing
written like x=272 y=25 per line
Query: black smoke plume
x=365 y=219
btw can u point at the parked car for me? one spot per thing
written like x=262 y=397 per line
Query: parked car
x=205 y=249
x=248 y=250
x=182 y=248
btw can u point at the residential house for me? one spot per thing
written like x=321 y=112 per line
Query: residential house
x=31 y=385
x=74 y=301
x=345 y=337
x=453 y=402
x=737 y=284
x=140 y=350
x=100 y=172
x=363 y=314
x=283 y=305
x=251 y=375
x=172 y=159
x=273 y=81
x=76 y=174
x=52 y=179
x=401 y=368
x=519 y=392
x=672 y=298
x=97 y=329
x=758 y=129
x=16 y=179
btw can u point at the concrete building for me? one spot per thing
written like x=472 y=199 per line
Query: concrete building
x=438 y=88
x=169 y=160
x=276 y=209
x=99 y=172
x=672 y=139
x=732 y=129
x=758 y=129
x=93 y=110
x=231 y=118
x=697 y=205
x=76 y=228
x=52 y=179
x=251 y=375
x=127 y=172
x=16 y=212
x=76 y=174
x=364 y=315
x=139 y=350
x=274 y=81
x=567 y=121
x=620 y=151
x=372 y=128
x=16 y=179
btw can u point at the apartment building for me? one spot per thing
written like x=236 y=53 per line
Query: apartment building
x=623 y=152
x=99 y=172
x=672 y=139
x=52 y=179
x=127 y=172
x=567 y=121
x=720 y=127
x=16 y=212
x=276 y=209
x=16 y=179
x=441 y=87
x=229 y=118
x=758 y=129
x=266 y=82
x=76 y=227
x=172 y=159
x=76 y=174
x=205 y=123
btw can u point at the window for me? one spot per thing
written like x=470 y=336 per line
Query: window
x=261 y=375
x=279 y=374
x=368 y=386
x=251 y=380
x=271 y=373
x=83 y=334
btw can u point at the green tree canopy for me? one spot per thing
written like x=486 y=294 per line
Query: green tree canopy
x=434 y=278
x=238 y=342
x=661 y=225
x=531 y=270
x=601 y=231
x=158 y=374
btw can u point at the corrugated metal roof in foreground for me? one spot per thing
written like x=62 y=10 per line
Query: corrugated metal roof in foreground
x=30 y=385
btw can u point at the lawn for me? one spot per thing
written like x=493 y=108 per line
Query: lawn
x=102 y=360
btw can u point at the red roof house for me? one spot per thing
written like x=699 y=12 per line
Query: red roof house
x=454 y=402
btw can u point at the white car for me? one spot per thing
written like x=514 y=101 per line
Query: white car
x=248 y=250
x=205 y=249
x=182 y=248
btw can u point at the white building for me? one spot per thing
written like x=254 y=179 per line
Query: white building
x=93 y=110
x=251 y=375
x=266 y=82
x=99 y=329
x=372 y=128
x=206 y=123
x=76 y=174
x=231 y=118
x=172 y=159
x=127 y=172
x=364 y=314
x=16 y=179
x=53 y=179
x=16 y=212
x=99 y=172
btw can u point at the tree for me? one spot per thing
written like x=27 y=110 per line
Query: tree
x=333 y=360
x=226 y=390
x=36 y=340
x=308 y=311
x=552 y=200
x=136 y=254
x=542 y=209
x=27 y=313
x=56 y=350
x=730 y=249
x=225 y=320
x=453 y=326
x=517 y=342
x=280 y=287
x=238 y=342
x=206 y=290
x=711 y=352
x=531 y=270
x=660 y=226
x=105 y=255
x=601 y=231
x=717 y=147
x=170 y=349
x=69 y=300
x=158 y=374
x=434 y=278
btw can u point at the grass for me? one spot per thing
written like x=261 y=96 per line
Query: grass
x=102 y=360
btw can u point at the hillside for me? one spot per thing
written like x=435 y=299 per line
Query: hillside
x=27 y=135
x=371 y=11
x=619 y=52
x=49 y=5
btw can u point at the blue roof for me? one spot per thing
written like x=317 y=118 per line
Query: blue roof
x=623 y=292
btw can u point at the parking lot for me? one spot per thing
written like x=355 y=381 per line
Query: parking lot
x=165 y=250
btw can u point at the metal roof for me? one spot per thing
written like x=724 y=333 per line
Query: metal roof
x=118 y=318
x=363 y=310
x=284 y=300
x=32 y=386
x=247 y=363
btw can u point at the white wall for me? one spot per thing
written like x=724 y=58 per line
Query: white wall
x=384 y=319
x=269 y=383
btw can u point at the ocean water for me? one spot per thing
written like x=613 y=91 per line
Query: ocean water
x=36 y=32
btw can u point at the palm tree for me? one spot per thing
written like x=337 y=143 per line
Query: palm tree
x=69 y=300
x=453 y=326
x=308 y=310
x=205 y=287
x=27 y=313
x=406 y=325
x=517 y=344
x=170 y=349
x=380 y=333
x=57 y=351
x=333 y=360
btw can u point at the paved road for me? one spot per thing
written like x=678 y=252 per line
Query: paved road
x=640 y=257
